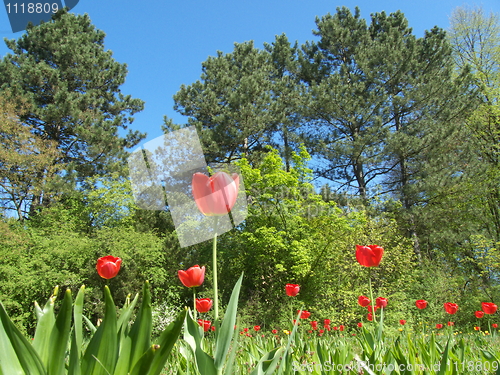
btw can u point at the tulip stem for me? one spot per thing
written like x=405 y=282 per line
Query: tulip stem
x=371 y=293
x=216 y=293
x=194 y=303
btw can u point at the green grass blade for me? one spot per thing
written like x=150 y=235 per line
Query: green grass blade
x=226 y=332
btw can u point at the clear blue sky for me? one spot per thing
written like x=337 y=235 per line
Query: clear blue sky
x=164 y=42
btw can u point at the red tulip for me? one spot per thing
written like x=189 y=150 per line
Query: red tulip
x=203 y=305
x=256 y=328
x=479 y=314
x=370 y=308
x=494 y=325
x=369 y=316
x=451 y=324
x=360 y=324
x=193 y=276
x=274 y=331
x=108 y=266
x=335 y=328
x=314 y=324
x=212 y=328
x=305 y=314
x=369 y=256
x=245 y=329
x=216 y=195
x=341 y=327
x=326 y=322
x=381 y=302
x=363 y=301
x=402 y=322
x=489 y=307
x=292 y=289
x=205 y=324
x=421 y=304
x=477 y=328
x=321 y=331
x=439 y=326
x=451 y=308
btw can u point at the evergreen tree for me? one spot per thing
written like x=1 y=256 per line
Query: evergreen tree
x=71 y=86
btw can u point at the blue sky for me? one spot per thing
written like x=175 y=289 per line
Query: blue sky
x=164 y=42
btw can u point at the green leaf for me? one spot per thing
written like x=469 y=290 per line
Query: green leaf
x=74 y=367
x=59 y=337
x=9 y=364
x=193 y=337
x=77 y=316
x=167 y=340
x=102 y=350
x=226 y=332
x=46 y=321
x=267 y=364
x=140 y=332
x=26 y=354
x=143 y=365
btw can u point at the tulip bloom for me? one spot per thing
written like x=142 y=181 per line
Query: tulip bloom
x=489 y=307
x=494 y=325
x=203 y=305
x=314 y=324
x=402 y=322
x=326 y=322
x=274 y=331
x=371 y=309
x=205 y=324
x=256 y=328
x=369 y=316
x=292 y=289
x=193 y=276
x=216 y=195
x=341 y=327
x=451 y=308
x=369 y=256
x=360 y=324
x=363 y=301
x=304 y=314
x=421 y=304
x=479 y=314
x=108 y=266
x=451 y=324
x=439 y=326
x=381 y=302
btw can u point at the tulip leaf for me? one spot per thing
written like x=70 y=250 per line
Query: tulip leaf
x=232 y=357
x=143 y=365
x=226 y=332
x=167 y=340
x=193 y=337
x=123 y=363
x=9 y=364
x=142 y=327
x=267 y=364
x=46 y=321
x=27 y=357
x=78 y=320
x=59 y=337
x=74 y=356
x=89 y=324
x=102 y=350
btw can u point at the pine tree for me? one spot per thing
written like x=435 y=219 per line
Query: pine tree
x=71 y=86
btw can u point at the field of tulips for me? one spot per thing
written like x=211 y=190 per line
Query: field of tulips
x=205 y=340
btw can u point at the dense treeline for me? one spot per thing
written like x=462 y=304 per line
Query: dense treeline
x=402 y=131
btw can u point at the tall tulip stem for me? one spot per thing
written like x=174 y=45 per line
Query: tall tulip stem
x=194 y=303
x=216 y=293
x=371 y=293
